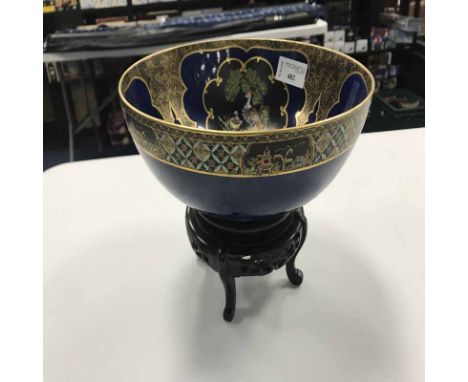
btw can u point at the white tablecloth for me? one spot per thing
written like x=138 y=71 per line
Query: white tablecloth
x=126 y=299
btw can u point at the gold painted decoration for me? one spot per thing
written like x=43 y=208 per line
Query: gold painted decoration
x=246 y=131
x=277 y=153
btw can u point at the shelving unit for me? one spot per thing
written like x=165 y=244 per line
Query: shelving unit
x=302 y=31
x=361 y=16
x=358 y=15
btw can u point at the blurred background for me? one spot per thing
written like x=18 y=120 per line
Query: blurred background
x=89 y=43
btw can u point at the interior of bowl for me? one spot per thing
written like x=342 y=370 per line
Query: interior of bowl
x=245 y=85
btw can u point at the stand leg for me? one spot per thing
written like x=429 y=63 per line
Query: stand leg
x=229 y=284
x=295 y=275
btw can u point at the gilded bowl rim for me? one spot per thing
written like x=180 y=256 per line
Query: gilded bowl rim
x=250 y=132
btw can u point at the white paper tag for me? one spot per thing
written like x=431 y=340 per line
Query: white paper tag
x=291 y=72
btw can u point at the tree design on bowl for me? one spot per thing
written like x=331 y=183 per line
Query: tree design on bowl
x=245 y=96
x=235 y=89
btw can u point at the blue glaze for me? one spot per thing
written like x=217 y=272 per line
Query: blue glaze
x=139 y=96
x=198 y=68
x=245 y=198
x=353 y=92
x=237 y=176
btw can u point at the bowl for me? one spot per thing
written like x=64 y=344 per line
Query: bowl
x=245 y=128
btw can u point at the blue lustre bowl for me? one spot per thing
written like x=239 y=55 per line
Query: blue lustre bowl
x=246 y=128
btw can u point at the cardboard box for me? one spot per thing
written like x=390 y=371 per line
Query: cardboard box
x=329 y=36
x=339 y=46
x=349 y=47
x=361 y=45
x=339 y=35
x=408 y=23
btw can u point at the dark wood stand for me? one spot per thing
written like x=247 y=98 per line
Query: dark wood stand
x=253 y=248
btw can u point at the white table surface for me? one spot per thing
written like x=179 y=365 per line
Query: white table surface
x=125 y=298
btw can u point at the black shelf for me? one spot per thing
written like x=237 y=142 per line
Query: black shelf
x=371 y=52
x=109 y=10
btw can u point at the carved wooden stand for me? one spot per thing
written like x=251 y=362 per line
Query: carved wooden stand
x=235 y=249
